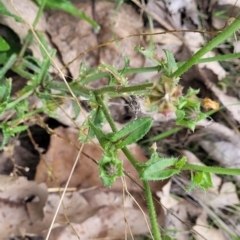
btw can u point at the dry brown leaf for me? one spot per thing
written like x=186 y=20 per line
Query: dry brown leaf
x=224 y=152
x=202 y=227
x=229 y=2
x=73 y=36
x=219 y=130
x=185 y=211
x=166 y=199
x=62 y=154
x=167 y=41
x=21 y=205
x=101 y=207
x=180 y=208
x=108 y=220
x=28 y=10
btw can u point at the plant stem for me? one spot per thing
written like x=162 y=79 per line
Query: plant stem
x=217 y=170
x=97 y=76
x=80 y=90
x=12 y=104
x=39 y=13
x=162 y=135
x=141 y=70
x=22 y=72
x=152 y=213
x=217 y=58
x=131 y=158
x=106 y=113
x=208 y=47
x=7 y=66
x=120 y=89
x=93 y=77
x=23 y=118
x=29 y=35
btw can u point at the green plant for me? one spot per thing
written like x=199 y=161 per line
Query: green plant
x=165 y=96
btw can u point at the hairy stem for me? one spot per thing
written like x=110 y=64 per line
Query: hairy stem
x=106 y=113
x=80 y=90
x=152 y=213
x=10 y=62
x=120 y=89
x=208 y=47
x=29 y=35
x=134 y=162
x=217 y=170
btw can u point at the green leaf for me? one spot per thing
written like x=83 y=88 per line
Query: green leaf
x=4 y=46
x=126 y=64
x=4 y=11
x=192 y=91
x=8 y=64
x=98 y=119
x=167 y=237
x=9 y=131
x=50 y=102
x=131 y=133
x=188 y=111
x=200 y=179
x=161 y=175
x=5 y=91
x=83 y=71
x=171 y=63
x=43 y=76
x=156 y=168
x=21 y=108
x=76 y=109
x=180 y=163
x=101 y=136
x=117 y=77
x=68 y=7
x=3 y=57
x=155 y=157
x=148 y=53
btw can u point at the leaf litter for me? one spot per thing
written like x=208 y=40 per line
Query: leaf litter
x=90 y=205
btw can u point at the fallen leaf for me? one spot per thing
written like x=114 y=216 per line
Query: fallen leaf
x=74 y=37
x=21 y=204
x=101 y=207
x=202 y=227
x=28 y=10
x=219 y=130
x=110 y=218
x=175 y=209
x=178 y=218
x=55 y=167
x=166 y=199
x=224 y=152
x=229 y=2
